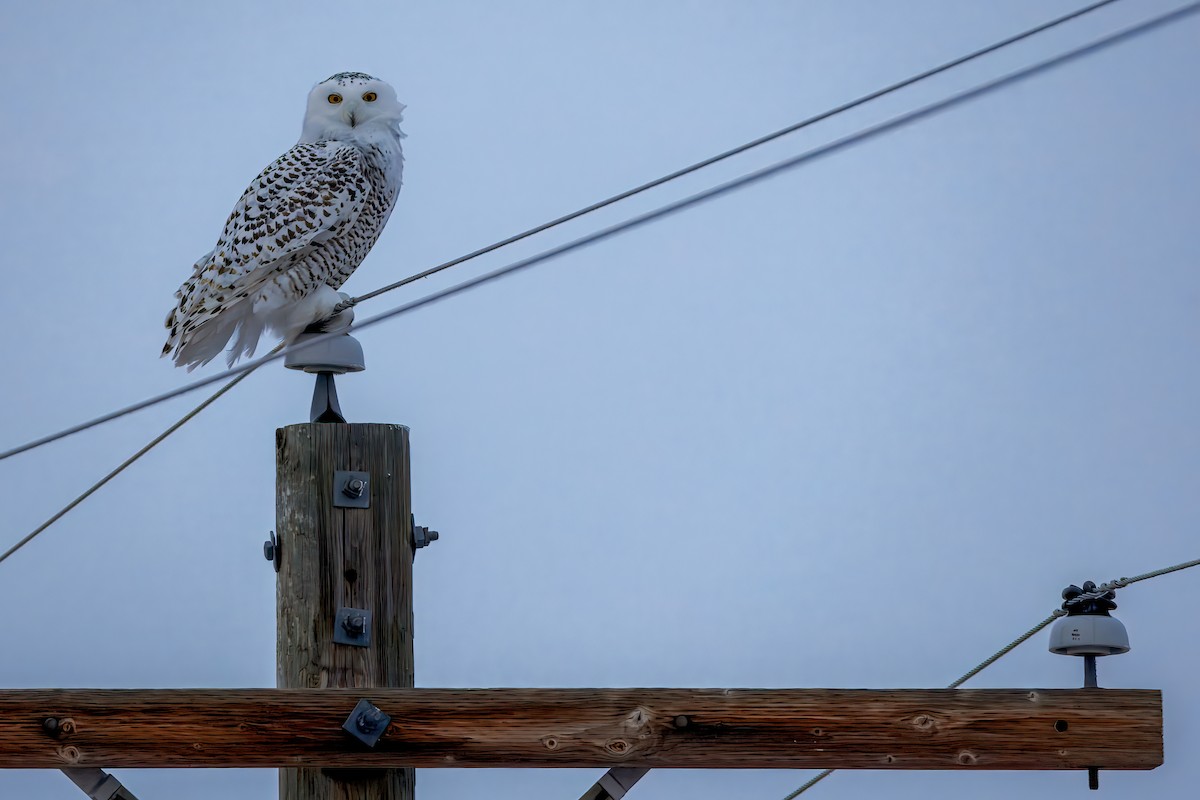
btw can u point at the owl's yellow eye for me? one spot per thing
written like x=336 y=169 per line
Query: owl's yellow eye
x=370 y=97
x=335 y=98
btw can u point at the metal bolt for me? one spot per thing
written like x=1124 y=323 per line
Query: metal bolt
x=368 y=721
x=355 y=487
x=352 y=626
x=50 y=726
x=269 y=550
x=422 y=536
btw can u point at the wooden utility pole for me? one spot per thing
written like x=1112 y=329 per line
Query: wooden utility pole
x=345 y=722
x=345 y=615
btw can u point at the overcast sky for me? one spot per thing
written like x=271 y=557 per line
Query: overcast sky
x=853 y=427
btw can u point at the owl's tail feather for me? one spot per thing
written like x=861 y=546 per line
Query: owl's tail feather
x=203 y=343
x=248 y=319
x=248 y=333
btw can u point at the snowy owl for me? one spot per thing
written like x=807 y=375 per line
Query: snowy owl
x=299 y=230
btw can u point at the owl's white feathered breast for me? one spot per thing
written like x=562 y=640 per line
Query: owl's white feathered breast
x=299 y=230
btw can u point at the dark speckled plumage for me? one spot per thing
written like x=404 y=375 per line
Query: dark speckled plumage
x=307 y=221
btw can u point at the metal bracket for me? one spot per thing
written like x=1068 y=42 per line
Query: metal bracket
x=366 y=723
x=352 y=626
x=351 y=489
x=325 y=406
x=98 y=784
x=615 y=783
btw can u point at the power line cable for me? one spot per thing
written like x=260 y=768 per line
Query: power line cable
x=126 y=463
x=1024 y=637
x=1003 y=651
x=661 y=212
x=847 y=106
x=566 y=218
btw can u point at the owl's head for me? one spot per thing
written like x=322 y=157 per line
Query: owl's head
x=350 y=101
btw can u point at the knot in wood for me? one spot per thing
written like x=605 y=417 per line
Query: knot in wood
x=967 y=758
x=69 y=754
x=617 y=746
x=924 y=722
x=638 y=718
x=550 y=742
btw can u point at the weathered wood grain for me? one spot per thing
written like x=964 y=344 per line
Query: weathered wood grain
x=335 y=557
x=695 y=728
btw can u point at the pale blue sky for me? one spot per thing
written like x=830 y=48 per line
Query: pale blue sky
x=855 y=427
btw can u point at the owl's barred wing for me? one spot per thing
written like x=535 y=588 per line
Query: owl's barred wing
x=308 y=195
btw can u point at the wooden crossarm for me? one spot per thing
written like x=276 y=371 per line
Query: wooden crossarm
x=1010 y=729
